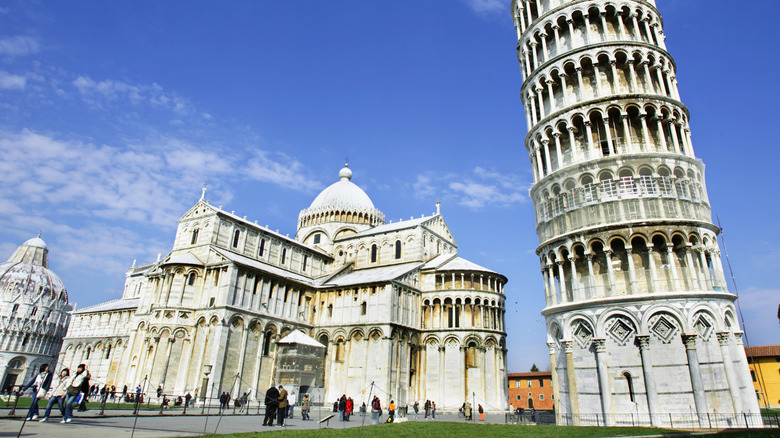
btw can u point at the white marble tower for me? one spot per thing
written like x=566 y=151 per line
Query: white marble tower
x=641 y=326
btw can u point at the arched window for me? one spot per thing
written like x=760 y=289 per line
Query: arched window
x=471 y=355
x=373 y=253
x=194 y=238
x=89 y=350
x=108 y=351
x=267 y=343
x=191 y=279
x=27 y=339
x=630 y=385
x=284 y=255
x=262 y=248
x=397 y=249
x=363 y=308
x=330 y=310
x=236 y=235
x=340 y=351
x=317 y=238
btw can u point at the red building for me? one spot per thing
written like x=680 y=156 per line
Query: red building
x=531 y=390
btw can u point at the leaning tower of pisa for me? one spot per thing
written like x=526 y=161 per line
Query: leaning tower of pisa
x=641 y=326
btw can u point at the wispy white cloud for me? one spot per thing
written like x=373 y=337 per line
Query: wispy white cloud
x=489 y=6
x=19 y=46
x=477 y=189
x=12 y=82
x=98 y=93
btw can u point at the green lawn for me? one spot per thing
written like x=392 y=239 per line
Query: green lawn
x=24 y=402
x=457 y=430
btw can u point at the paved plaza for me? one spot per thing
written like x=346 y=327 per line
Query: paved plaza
x=119 y=423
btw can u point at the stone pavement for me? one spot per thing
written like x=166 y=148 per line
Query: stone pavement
x=117 y=424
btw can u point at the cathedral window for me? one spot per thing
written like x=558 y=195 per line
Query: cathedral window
x=330 y=310
x=271 y=290
x=284 y=255
x=305 y=261
x=317 y=238
x=34 y=311
x=471 y=355
x=89 y=350
x=194 y=238
x=340 y=351
x=397 y=249
x=262 y=248
x=286 y=293
x=14 y=308
x=267 y=343
x=191 y=279
x=216 y=277
x=373 y=253
x=236 y=236
x=363 y=308
x=211 y=302
x=27 y=339
x=108 y=351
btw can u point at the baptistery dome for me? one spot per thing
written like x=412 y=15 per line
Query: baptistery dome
x=34 y=308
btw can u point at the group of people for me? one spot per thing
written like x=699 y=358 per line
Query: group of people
x=275 y=406
x=344 y=406
x=466 y=410
x=63 y=390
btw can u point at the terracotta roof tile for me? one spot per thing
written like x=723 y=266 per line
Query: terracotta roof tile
x=530 y=375
x=763 y=351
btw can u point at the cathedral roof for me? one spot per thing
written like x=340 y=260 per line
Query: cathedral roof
x=256 y=264
x=387 y=228
x=372 y=275
x=343 y=194
x=453 y=262
x=120 y=304
x=27 y=274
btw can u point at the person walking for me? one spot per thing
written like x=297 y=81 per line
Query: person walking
x=427 y=408
x=416 y=408
x=40 y=385
x=290 y=404
x=271 y=402
x=282 y=408
x=85 y=388
x=57 y=394
x=305 y=406
x=74 y=388
x=391 y=411
x=481 y=412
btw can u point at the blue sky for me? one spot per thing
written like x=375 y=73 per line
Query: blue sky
x=113 y=115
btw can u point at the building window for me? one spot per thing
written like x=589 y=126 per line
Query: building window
x=541 y=383
x=373 y=253
x=191 y=279
x=236 y=236
x=330 y=310
x=194 y=238
x=284 y=255
x=753 y=375
x=317 y=238
x=517 y=384
x=519 y=397
x=471 y=355
x=16 y=307
x=363 y=307
x=262 y=248
x=27 y=339
x=211 y=302
x=34 y=311
x=397 y=249
x=267 y=343
x=630 y=385
x=340 y=351
x=305 y=261
x=89 y=350
x=530 y=383
x=541 y=397
x=108 y=351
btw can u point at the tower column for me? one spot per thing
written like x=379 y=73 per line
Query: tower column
x=647 y=372
x=728 y=365
x=591 y=277
x=697 y=384
x=571 y=377
x=603 y=372
x=653 y=271
x=610 y=273
x=673 y=266
x=645 y=132
x=558 y=149
x=554 y=378
x=631 y=272
x=551 y=277
x=562 y=282
x=575 y=289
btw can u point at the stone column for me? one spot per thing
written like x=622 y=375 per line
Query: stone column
x=647 y=371
x=562 y=282
x=610 y=273
x=673 y=266
x=557 y=37
x=605 y=392
x=591 y=277
x=749 y=399
x=576 y=291
x=558 y=149
x=648 y=77
x=553 y=105
x=555 y=386
x=168 y=347
x=627 y=133
x=442 y=373
x=551 y=278
x=546 y=145
x=645 y=132
x=564 y=88
x=631 y=273
x=571 y=378
x=661 y=133
x=651 y=266
x=691 y=268
x=731 y=376
x=699 y=397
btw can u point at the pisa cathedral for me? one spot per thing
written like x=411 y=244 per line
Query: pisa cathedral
x=641 y=325
x=392 y=303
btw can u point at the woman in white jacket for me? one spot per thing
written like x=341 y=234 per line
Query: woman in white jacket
x=57 y=394
x=72 y=391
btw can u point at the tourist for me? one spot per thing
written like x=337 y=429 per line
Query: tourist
x=391 y=411
x=342 y=406
x=433 y=410
x=305 y=407
x=57 y=395
x=481 y=412
x=271 y=402
x=282 y=408
x=348 y=409
x=40 y=385
x=291 y=404
x=75 y=387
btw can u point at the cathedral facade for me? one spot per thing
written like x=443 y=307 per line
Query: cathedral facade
x=399 y=313
x=641 y=325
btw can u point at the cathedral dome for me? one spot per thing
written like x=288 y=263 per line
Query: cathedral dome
x=343 y=194
x=26 y=275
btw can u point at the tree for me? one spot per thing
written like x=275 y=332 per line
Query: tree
x=534 y=368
